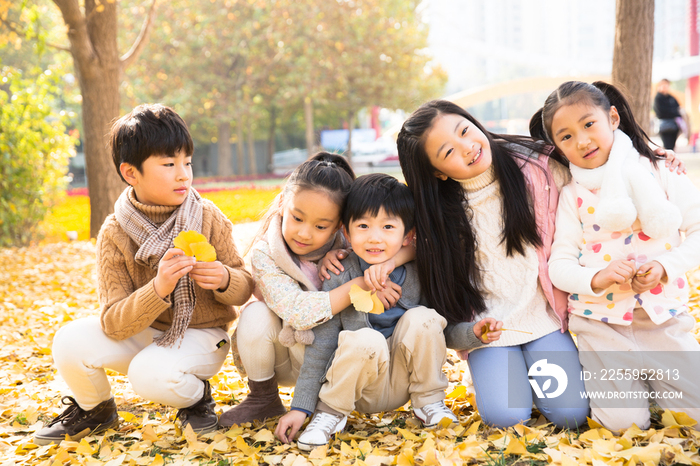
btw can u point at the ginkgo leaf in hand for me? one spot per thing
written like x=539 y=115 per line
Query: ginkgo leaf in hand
x=361 y=299
x=203 y=251
x=485 y=332
x=365 y=301
x=185 y=238
x=378 y=307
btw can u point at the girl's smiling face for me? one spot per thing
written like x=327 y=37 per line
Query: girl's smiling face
x=584 y=133
x=457 y=148
x=309 y=220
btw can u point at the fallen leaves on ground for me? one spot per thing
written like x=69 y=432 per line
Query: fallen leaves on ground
x=44 y=287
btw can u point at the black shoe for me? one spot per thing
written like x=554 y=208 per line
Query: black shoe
x=75 y=422
x=201 y=415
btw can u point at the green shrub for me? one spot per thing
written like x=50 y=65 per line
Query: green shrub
x=34 y=153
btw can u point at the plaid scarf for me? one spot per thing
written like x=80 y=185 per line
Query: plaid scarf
x=154 y=242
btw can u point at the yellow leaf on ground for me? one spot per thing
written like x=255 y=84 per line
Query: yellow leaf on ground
x=264 y=436
x=84 y=448
x=460 y=392
x=680 y=418
x=319 y=453
x=127 y=416
x=407 y=434
x=516 y=447
x=147 y=433
x=245 y=448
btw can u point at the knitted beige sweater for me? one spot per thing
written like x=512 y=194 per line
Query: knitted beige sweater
x=128 y=301
x=510 y=284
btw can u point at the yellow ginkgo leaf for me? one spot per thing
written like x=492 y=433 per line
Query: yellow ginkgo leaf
x=377 y=306
x=203 y=251
x=485 y=332
x=361 y=299
x=365 y=301
x=185 y=238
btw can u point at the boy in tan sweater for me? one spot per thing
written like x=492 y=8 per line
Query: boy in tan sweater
x=164 y=316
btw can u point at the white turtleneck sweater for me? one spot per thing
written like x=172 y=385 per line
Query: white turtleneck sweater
x=510 y=284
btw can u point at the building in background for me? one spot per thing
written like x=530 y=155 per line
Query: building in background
x=483 y=42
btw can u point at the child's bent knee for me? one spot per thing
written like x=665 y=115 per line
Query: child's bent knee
x=365 y=340
x=73 y=340
x=425 y=319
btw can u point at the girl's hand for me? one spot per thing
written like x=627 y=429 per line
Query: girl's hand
x=289 y=425
x=494 y=329
x=648 y=276
x=331 y=262
x=672 y=160
x=210 y=275
x=618 y=271
x=390 y=295
x=172 y=267
x=376 y=275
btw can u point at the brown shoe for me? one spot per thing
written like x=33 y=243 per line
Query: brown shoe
x=201 y=415
x=262 y=402
x=75 y=422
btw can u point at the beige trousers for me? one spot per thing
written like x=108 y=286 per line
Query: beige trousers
x=371 y=374
x=261 y=352
x=638 y=350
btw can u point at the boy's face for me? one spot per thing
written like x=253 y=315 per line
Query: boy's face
x=377 y=239
x=163 y=180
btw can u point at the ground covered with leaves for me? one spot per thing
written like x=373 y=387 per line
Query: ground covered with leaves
x=44 y=287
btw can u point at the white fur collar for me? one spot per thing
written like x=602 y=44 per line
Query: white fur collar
x=628 y=191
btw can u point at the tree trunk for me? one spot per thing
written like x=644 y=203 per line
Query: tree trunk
x=309 y=120
x=100 y=106
x=351 y=120
x=633 y=53
x=225 y=167
x=271 y=137
x=252 y=163
x=98 y=66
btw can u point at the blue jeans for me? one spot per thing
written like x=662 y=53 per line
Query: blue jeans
x=505 y=392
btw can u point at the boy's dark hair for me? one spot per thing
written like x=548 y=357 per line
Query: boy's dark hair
x=147 y=130
x=370 y=193
x=599 y=94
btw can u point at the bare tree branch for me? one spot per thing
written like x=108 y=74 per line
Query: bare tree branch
x=129 y=57
x=58 y=47
x=81 y=46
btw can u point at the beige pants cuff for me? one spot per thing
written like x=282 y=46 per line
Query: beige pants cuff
x=370 y=373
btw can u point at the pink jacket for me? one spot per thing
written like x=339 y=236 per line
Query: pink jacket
x=545 y=197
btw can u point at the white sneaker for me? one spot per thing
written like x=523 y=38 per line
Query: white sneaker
x=431 y=415
x=320 y=430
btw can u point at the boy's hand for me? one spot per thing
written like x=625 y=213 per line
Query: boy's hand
x=648 y=276
x=210 y=275
x=672 y=160
x=331 y=262
x=390 y=295
x=172 y=267
x=289 y=425
x=494 y=332
x=617 y=272
x=376 y=275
